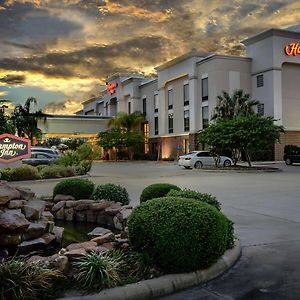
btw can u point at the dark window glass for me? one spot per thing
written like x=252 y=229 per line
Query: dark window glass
x=170 y=99
x=170 y=122
x=204 y=85
x=186 y=98
x=156 y=103
x=186 y=118
x=261 y=109
x=156 y=125
x=203 y=154
x=144 y=106
x=260 y=80
x=205 y=116
x=129 y=107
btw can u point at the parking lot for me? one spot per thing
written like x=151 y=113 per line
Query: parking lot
x=265 y=207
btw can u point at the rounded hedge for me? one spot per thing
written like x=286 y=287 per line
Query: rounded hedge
x=206 y=198
x=157 y=190
x=78 y=188
x=177 y=235
x=111 y=192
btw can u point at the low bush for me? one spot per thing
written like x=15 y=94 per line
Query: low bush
x=76 y=187
x=111 y=192
x=69 y=158
x=41 y=167
x=52 y=171
x=157 y=190
x=22 y=280
x=177 y=235
x=80 y=170
x=5 y=174
x=87 y=165
x=25 y=172
x=206 y=198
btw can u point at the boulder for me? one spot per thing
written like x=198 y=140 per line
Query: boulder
x=69 y=214
x=12 y=220
x=58 y=206
x=87 y=246
x=60 y=197
x=48 y=215
x=35 y=244
x=99 y=231
x=16 y=203
x=118 y=222
x=33 y=209
x=105 y=220
x=51 y=226
x=100 y=249
x=80 y=216
x=126 y=213
x=25 y=193
x=102 y=205
x=10 y=239
x=108 y=237
x=91 y=216
x=35 y=230
x=109 y=245
x=56 y=261
x=8 y=193
x=58 y=232
x=84 y=205
x=71 y=203
x=76 y=253
x=60 y=214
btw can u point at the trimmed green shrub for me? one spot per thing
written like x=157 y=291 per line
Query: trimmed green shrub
x=5 y=174
x=76 y=187
x=177 y=235
x=157 y=190
x=111 y=192
x=87 y=165
x=69 y=158
x=41 y=167
x=52 y=171
x=206 y=198
x=25 y=172
x=85 y=152
x=80 y=170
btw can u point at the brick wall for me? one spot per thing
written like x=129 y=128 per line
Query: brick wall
x=288 y=138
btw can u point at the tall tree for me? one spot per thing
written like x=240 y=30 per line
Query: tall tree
x=6 y=124
x=239 y=104
x=26 y=120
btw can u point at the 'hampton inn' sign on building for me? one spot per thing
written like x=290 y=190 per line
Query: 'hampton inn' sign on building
x=13 y=148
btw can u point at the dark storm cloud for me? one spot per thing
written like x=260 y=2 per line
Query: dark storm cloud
x=92 y=61
x=152 y=5
x=247 y=9
x=11 y=79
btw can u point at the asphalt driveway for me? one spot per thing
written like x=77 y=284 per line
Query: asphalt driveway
x=264 y=206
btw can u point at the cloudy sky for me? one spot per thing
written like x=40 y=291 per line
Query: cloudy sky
x=61 y=51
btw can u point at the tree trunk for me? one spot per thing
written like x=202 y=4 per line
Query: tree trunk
x=248 y=158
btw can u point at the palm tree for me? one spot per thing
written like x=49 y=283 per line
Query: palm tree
x=239 y=104
x=26 y=121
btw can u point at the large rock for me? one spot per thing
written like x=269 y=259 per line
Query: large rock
x=56 y=261
x=12 y=220
x=60 y=215
x=71 y=203
x=60 y=197
x=58 y=206
x=84 y=205
x=35 y=229
x=80 y=216
x=91 y=216
x=87 y=246
x=35 y=244
x=69 y=214
x=102 y=205
x=58 y=232
x=25 y=193
x=33 y=209
x=47 y=215
x=76 y=253
x=108 y=237
x=118 y=224
x=16 y=204
x=105 y=220
x=10 y=239
x=8 y=193
x=99 y=231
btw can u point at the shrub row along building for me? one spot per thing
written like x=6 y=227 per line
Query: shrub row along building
x=180 y=101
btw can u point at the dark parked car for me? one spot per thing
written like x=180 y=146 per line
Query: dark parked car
x=39 y=158
x=293 y=157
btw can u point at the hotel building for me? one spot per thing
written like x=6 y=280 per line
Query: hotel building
x=180 y=100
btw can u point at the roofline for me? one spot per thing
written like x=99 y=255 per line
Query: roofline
x=271 y=32
x=148 y=82
x=232 y=57
x=179 y=59
x=83 y=117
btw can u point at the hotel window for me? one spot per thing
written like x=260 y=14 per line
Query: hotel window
x=186 y=99
x=260 y=80
x=170 y=121
x=146 y=137
x=204 y=117
x=156 y=103
x=186 y=120
x=156 y=126
x=204 y=85
x=144 y=106
x=170 y=99
x=106 y=109
x=129 y=107
x=261 y=109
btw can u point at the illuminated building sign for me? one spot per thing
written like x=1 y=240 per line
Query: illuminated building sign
x=111 y=87
x=292 y=49
x=13 y=148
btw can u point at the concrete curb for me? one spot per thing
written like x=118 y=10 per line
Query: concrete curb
x=46 y=180
x=167 y=284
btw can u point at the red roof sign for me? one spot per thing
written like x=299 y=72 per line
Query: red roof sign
x=111 y=87
x=13 y=148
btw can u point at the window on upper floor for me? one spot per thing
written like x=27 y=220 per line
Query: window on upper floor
x=186 y=98
x=156 y=126
x=170 y=123
x=144 y=106
x=155 y=102
x=261 y=109
x=205 y=118
x=204 y=85
x=186 y=120
x=129 y=107
x=170 y=99
x=260 y=80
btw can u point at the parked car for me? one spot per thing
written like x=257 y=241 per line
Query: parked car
x=50 y=151
x=39 y=158
x=198 y=159
x=293 y=157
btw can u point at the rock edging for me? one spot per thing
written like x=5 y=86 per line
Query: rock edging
x=167 y=284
